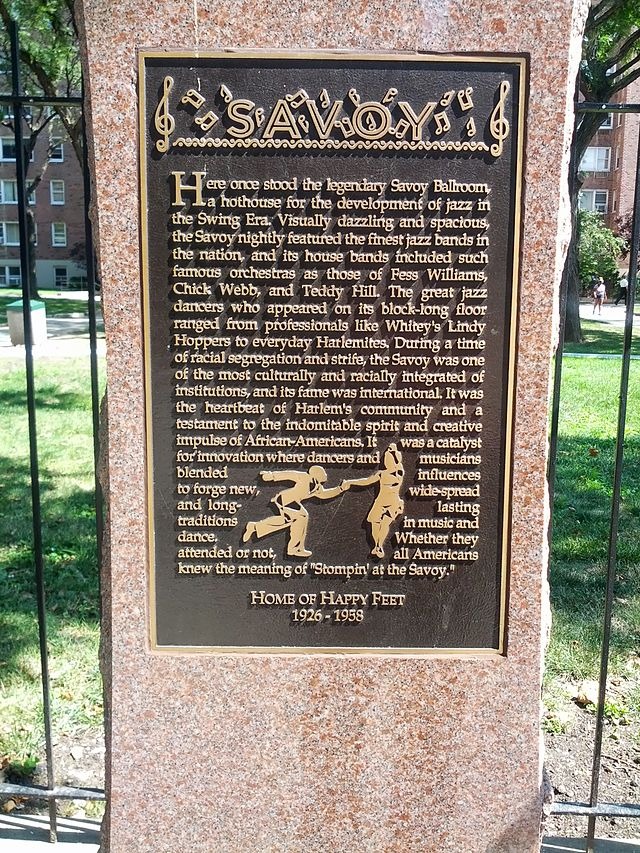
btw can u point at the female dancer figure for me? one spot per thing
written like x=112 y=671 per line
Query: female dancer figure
x=388 y=504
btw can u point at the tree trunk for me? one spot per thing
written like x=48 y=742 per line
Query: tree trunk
x=571 y=274
x=571 y=289
x=31 y=252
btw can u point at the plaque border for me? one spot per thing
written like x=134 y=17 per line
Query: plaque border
x=517 y=59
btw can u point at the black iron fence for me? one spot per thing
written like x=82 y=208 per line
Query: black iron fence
x=19 y=103
x=595 y=808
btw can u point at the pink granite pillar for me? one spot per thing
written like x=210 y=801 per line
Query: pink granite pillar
x=225 y=753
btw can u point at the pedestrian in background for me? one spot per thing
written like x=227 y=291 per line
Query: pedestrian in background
x=599 y=295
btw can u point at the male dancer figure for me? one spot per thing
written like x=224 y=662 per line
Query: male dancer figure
x=291 y=513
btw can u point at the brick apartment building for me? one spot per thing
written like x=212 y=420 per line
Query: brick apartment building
x=59 y=213
x=609 y=163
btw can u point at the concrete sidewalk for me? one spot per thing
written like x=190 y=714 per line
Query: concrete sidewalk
x=30 y=834
x=66 y=337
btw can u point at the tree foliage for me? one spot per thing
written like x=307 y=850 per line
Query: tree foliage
x=49 y=67
x=50 y=62
x=610 y=62
x=610 y=59
x=598 y=249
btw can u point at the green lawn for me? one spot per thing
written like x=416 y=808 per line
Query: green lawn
x=66 y=478
x=588 y=419
x=603 y=338
x=55 y=305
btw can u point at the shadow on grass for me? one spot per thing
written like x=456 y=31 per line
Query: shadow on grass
x=47 y=397
x=54 y=307
x=69 y=557
x=602 y=338
x=582 y=513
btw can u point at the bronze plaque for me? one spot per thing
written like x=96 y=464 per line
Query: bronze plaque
x=330 y=264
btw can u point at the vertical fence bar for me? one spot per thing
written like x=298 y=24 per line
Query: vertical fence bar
x=557 y=371
x=95 y=389
x=615 y=504
x=31 y=409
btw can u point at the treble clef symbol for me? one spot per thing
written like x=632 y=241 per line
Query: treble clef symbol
x=499 y=126
x=164 y=121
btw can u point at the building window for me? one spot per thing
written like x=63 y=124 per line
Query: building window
x=61 y=276
x=9 y=234
x=58 y=234
x=9 y=193
x=596 y=201
x=56 y=151
x=56 y=192
x=596 y=159
x=7 y=149
x=617 y=157
x=10 y=276
x=607 y=123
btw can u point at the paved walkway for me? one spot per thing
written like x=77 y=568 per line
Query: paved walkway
x=30 y=834
x=612 y=315
x=66 y=337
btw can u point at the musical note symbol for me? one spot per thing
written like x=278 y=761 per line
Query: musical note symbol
x=206 y=121
x=498 y=125
x=298 y=99
x=470 y=127
x=401 y=128
x=225 y=94
x=442 y=123
x=354 y=96
x=347 y=127
x=391 y=93
x=324 y=99
x=194 y=98
x=259 y=116
x=464 y=98
x=446 y=99
x=304 y=124
x=163 y=120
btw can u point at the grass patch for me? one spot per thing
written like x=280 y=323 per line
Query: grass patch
x=584 y=484
x=64 y=427
x=55 y=305
x=602 y=338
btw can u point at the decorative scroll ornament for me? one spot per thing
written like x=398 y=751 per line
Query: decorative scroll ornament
x=499 y=126
x=164 y=122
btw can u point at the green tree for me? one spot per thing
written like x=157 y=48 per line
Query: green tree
x=598 y=249
x=610 y=62
x=50 y=67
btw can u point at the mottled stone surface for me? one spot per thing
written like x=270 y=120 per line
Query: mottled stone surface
x=214 y=754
